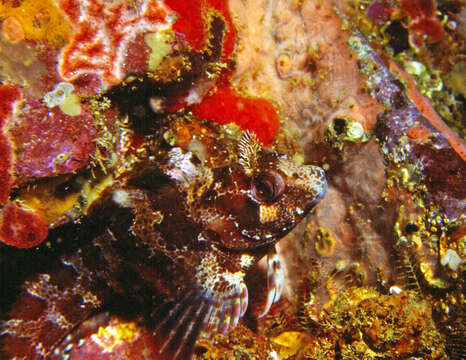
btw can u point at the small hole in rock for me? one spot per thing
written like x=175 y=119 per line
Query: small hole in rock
x=339 y=125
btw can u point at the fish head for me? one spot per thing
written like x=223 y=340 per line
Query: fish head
x=259 y=199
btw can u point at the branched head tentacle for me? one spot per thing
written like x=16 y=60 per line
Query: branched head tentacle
x=249 y=148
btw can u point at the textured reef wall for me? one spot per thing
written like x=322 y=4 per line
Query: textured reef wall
x=373 y=92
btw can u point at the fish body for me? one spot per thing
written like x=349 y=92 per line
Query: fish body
x=186 y=221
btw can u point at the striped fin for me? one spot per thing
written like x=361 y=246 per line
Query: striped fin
x=202 y=311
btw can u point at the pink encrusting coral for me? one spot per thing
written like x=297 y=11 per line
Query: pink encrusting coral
x=48 y=142
x=22 y=227
x=19 y=226
x=36 y=142
x=423 y=19
x=8 y=96
x=102 y=32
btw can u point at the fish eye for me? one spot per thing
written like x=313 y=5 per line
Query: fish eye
x=267 y=186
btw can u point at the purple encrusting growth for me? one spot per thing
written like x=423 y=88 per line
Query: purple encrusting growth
x=379 y=9
x=49 y=142
x=442 y=169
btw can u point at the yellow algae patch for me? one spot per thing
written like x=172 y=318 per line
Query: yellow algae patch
x=324 y=242
x=71 y=105
x=42 y=198
x=293 y=342
x=34 y=20
x=160 y=44
x=92 y=190
x=115 y=334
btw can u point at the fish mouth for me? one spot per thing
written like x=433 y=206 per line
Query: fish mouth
x=267 y=238
x=321 y=194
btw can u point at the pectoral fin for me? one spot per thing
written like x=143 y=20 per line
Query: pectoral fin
x=275 y=280
x=214 y=304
